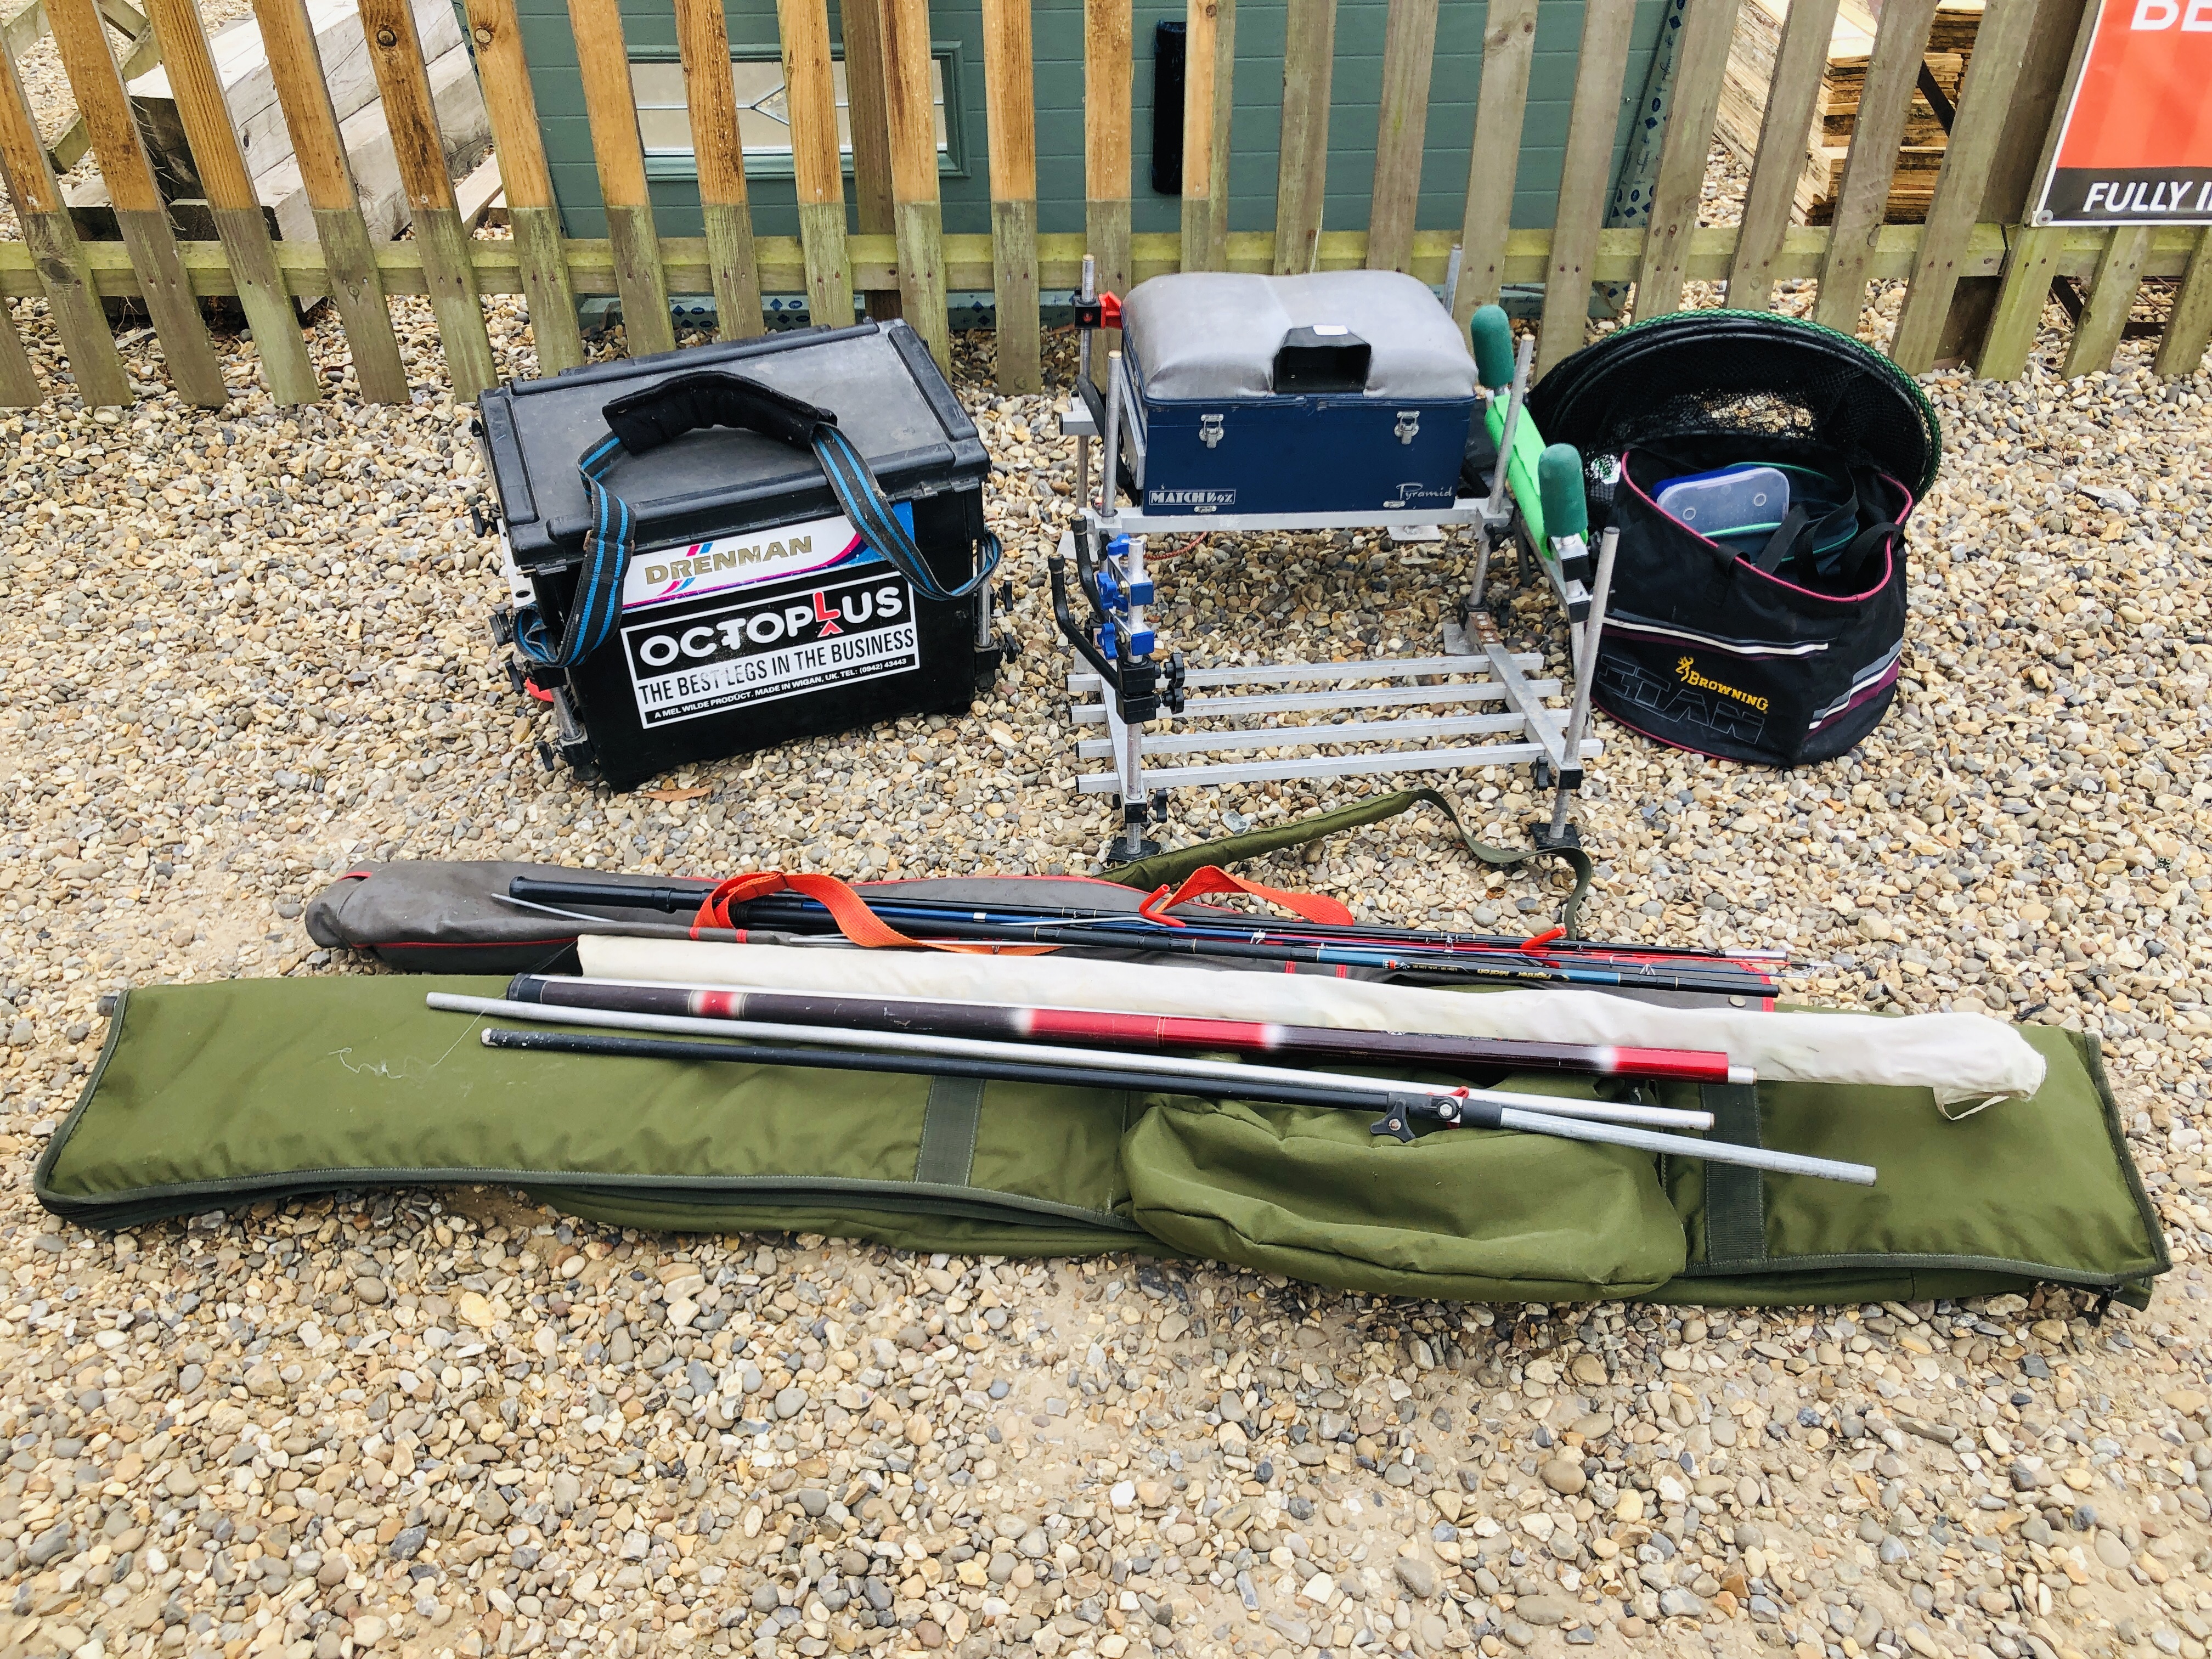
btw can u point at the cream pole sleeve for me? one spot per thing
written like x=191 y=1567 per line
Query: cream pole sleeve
x=1962 y=1058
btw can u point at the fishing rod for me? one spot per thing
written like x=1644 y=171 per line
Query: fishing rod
x=1208 y=940
x=1230 y=1073
x=787 y=911
x=790 y=911
x=1401 y=1111
x=1089 y=1027
x=679 y=900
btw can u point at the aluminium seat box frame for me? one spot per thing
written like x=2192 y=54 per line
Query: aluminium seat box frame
x=1120 y=688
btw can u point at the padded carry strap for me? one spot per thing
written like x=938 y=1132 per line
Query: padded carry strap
x=847 y=908
x=644 y=421
x=1257 y=843
x=1213 y=878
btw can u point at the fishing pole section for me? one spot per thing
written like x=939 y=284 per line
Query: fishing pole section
x=1223 y=935
x=1099 y=1027
x=1403 y=1107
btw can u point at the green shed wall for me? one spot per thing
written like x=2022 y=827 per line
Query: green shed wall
x=1058 y=24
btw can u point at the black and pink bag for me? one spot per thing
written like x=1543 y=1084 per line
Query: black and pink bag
x=1780 y=647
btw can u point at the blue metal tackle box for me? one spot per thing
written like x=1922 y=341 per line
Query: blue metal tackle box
x=1340 y=391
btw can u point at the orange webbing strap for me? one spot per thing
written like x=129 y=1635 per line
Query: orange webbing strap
x=847 y=908
x=1213 y=878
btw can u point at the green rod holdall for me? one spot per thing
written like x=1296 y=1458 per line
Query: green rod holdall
x=245 y=1090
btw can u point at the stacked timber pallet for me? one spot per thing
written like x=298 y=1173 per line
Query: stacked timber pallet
x=249 y=89
x=1850 y=45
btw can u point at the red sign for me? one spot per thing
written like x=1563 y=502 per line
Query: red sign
x=2136 y=144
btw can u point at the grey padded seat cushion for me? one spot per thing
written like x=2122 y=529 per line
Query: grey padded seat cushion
x=1214 y=333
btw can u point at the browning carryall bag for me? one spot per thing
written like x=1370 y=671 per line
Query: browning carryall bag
x=1778 y=645
x=236 y=1091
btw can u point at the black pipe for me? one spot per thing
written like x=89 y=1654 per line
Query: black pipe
x=608 y=895
x=1078 y=636
x=1165 y=1081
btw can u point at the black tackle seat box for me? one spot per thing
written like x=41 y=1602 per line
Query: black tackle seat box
x=1340 y=391
x=752 y=611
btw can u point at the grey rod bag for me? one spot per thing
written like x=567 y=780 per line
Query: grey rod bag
x=440 y=918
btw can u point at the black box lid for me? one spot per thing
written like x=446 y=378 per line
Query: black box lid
x=890 y=401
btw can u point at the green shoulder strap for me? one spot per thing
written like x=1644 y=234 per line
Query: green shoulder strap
x=1173 y=866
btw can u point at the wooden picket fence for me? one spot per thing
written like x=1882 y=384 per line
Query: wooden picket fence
x=456 y=269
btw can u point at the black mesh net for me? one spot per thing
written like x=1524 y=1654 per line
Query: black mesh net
x=1701 y=372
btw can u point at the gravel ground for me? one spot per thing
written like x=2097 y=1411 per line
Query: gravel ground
x=244 y=651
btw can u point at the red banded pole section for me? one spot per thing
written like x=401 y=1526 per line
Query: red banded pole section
x=1099 y=1028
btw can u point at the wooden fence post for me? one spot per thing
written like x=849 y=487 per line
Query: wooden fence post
x=19 y=381
x=817 y=172
x=1401 y=119
x=1707 y=28
x=2035 y=95
x=1301 y=171
x=1862 y=197
x=395 y=52
x=703 y=36
x=234 y=205
x=611 y=104
x=62 y=274
x=1801 y=62
x=1509 y=47
x=350 y=260
x=142 y=52
x=2031 y=257
x=916 y=209
x=2030 y=265
x=1106 y=117
x=533 y=216
x=140 y=215
x=2189 y=323
x=1010 y=92
x=2112 y=296
x=866 y=112
x=1962 y=184
x=1224 y=109
x=1200 y=22
x=1585 y=178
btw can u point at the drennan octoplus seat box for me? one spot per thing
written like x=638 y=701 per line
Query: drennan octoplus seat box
x=753 y=609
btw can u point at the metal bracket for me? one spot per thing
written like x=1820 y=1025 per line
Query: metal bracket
x=1404 y=1110
x=1544 y=725
x=1075 y=420
x=1542 y=838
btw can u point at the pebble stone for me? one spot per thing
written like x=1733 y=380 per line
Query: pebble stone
x=245 y=651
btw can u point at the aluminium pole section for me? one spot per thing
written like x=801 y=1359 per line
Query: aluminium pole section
x=1235 y=1074
x=1586 y=671
x=1400 y=1110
